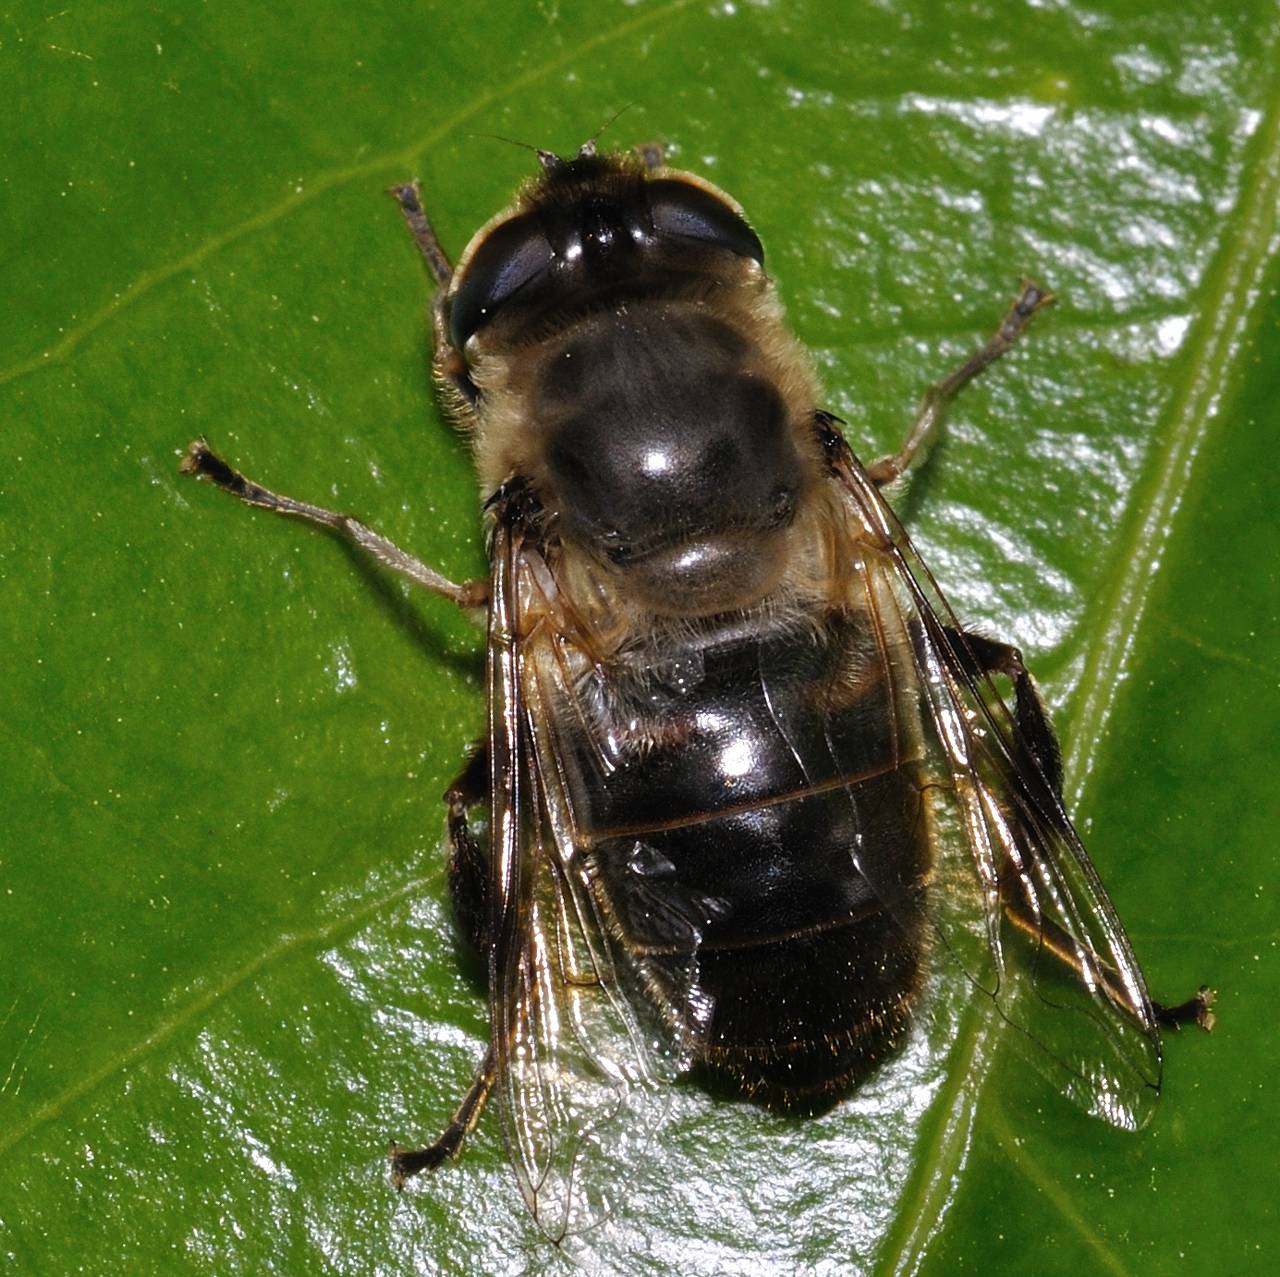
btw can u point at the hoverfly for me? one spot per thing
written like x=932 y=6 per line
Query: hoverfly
x=747 y=777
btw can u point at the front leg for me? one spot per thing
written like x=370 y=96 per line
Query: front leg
x=448 y=362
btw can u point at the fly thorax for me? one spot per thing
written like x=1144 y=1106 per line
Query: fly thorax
x=668 y=456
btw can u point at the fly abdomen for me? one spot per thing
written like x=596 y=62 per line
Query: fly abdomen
x=771 y=908
x=762 y=920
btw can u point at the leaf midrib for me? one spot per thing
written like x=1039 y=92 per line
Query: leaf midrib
x=1214 y=348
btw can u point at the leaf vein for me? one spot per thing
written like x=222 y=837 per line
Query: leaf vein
x=1215 y=346
x=318 y=185
x=282 y=947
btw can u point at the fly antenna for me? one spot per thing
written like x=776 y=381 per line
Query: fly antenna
x=588 y=147
x=549 y=160
x=510 y=141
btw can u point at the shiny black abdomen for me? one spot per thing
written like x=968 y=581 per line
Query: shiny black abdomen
x=755 y=831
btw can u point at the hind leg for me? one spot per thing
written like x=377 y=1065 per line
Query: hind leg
x=469 y=886
x=468 y=863
x=1038 y=746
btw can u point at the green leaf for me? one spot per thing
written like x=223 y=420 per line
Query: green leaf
x=229 y=973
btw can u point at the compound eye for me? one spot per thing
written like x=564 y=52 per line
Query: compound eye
x=510 y=257
x=687 y=212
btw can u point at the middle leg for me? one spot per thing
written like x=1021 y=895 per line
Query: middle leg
x=202 y=462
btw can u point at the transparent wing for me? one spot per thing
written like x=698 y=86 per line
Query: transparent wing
x=1014 y=899
x=581 y=1053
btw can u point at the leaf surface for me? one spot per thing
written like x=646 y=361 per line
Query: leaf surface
x=229 y=972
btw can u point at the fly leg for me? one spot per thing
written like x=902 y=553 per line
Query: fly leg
x=447 y=361
x=468 y=857
x=1197 y=1010
x=406 y=1162
x=201 y=461
x=469 y=885
x=409 y=196
x=467 y=867
x=1037 y=744
x=937 y=399
x=1088 y=966
x=1034 y=734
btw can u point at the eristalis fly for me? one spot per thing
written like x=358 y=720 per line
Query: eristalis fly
x=747 y=778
